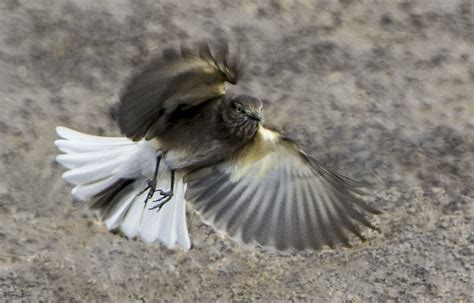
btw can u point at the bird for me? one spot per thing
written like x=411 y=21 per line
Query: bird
x=188 y=141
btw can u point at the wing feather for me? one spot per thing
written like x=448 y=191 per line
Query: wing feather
x=301 y=238
x=236 y=214
x=313 y=230
x=269 y=198
x=321 y=215
x=175 y=80
x=254 y=213
x=272 y=194
x=231 y=211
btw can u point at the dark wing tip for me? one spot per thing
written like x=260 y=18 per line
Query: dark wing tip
x=153 y=89
x=340 y=181
x=144 y=98
x=218 y=52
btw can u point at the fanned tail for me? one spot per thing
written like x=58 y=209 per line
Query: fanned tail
x=110 y=174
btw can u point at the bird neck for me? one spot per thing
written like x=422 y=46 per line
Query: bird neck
x=240 y=130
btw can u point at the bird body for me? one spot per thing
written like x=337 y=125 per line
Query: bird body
x=189 y=141
x=202 y=132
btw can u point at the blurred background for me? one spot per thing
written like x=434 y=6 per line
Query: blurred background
x=382 y=91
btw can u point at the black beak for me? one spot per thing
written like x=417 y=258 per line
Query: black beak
x=254 y=116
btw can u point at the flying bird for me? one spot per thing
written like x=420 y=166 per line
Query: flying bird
x=187 y=140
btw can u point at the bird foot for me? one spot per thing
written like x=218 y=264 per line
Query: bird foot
x=165 y=198
x=151 y=187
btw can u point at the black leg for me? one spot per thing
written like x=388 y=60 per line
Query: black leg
x=151 y=184
x=165 y=195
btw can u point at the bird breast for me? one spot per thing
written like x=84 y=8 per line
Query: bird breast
x=242 y=128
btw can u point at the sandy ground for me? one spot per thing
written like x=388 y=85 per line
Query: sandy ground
x=382 y=91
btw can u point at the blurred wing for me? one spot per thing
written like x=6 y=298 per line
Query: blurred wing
x=176 y=80
x=271 y=193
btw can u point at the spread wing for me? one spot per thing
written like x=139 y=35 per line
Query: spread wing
x=271 y=193
x=175 y=80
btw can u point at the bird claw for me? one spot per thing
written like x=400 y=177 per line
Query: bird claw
x=165 y=198
x=151 y=187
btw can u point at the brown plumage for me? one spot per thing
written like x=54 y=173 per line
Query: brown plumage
x=245 y=179
x=173 y=82
x=253 y=183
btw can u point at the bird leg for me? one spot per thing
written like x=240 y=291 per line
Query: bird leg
x=151 y=183
x=165 y=195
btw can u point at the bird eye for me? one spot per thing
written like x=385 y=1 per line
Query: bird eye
x=237 y=107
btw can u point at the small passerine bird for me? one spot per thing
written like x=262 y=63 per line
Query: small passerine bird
x=187 y=140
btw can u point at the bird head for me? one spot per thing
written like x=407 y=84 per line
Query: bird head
x=242 y=115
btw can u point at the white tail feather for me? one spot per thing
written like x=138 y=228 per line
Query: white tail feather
x=115 y=218
x=93 y=172
x=75 y=160
x=95 y=163
x=72 y=135
x=67 y=146
x=84 y=192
